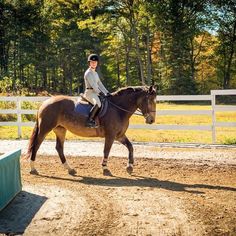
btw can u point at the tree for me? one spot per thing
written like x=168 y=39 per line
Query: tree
x=225 y=16
x=186 y=47
x=178 y=24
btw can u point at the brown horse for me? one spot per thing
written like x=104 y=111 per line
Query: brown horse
x=58 y=114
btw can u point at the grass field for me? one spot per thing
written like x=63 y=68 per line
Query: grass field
x=224 y=135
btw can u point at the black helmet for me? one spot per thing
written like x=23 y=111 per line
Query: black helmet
x=93 y=57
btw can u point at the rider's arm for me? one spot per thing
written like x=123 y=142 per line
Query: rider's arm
x=102 y=87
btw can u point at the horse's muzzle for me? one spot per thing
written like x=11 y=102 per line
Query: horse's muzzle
x=149 y=120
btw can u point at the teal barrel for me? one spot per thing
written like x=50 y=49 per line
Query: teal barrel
x=10 y=177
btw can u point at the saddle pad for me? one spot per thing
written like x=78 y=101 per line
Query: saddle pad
x=83 y=109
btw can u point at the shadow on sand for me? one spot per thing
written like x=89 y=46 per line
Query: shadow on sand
x=18 y=214
x=142 y=181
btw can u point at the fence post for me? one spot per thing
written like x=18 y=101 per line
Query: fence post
x=213 y=103
x=18 y=105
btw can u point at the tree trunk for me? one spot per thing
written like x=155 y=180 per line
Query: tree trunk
x=227 y=76
x=63 y=85
x=14 y=67
x=3 y=56
x=44 y=76
x=138 y=53
x=35 y=80
x=149 y=59
x=118 y=69
x=127 y=51
x=70 y=77
x=54 y=83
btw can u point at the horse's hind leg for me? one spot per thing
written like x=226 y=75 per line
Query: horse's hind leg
x=61 y=134
x=125 y=141
x=40 y=136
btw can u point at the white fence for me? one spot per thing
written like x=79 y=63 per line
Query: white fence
x=211 y=127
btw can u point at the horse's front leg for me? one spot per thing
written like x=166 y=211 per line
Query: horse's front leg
x=107 y=147
x=125 y=141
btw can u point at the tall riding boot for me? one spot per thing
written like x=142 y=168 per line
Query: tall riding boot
x=91 y=122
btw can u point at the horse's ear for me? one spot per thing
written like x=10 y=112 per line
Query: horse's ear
x=152 y=89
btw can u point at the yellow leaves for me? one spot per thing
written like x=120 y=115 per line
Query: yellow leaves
x=61 y=21
x=88 y=5
x=204 y=50
x=88 y=23
x=98 y=25
x=67 y=3
x=207 y=42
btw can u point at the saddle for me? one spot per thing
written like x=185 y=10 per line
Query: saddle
x=83 y=106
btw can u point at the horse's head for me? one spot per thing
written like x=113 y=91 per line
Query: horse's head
x=147 y=104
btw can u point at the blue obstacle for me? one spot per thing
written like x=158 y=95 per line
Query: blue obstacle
x=10 y=177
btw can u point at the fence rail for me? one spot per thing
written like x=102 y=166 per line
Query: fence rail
x=211 y=127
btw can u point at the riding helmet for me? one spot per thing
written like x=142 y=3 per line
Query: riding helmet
x=93 y=57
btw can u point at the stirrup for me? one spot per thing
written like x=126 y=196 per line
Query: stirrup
x=91 y=124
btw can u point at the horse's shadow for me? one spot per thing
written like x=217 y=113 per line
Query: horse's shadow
x=143 y=182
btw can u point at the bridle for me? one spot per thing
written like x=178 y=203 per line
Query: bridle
x=147 y=113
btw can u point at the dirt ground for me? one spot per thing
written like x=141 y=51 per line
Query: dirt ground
x=161 y=197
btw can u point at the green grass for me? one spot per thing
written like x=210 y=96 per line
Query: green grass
x=224 y=135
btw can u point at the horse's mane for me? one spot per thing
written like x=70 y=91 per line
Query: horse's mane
x=128 y=90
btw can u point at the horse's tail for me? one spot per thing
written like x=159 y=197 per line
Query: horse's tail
x=32 y=139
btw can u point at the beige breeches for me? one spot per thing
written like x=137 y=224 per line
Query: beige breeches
x=92 y=97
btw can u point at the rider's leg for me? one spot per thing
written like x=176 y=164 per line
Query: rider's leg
x=93 y=112
x=91 y=122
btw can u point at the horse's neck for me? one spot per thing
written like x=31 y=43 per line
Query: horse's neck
x=127 y=102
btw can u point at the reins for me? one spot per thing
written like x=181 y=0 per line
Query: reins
x=146 y=115
x=122 y=109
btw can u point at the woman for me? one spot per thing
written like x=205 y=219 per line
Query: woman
x=94 y=87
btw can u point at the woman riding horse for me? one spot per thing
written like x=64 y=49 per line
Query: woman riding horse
x=94 y=87
x=58 y=114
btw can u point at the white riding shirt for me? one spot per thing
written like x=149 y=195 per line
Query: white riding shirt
x=93 y=86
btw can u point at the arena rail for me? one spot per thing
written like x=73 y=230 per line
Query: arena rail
x=212 y=112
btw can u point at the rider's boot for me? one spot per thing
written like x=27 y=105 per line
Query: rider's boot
x=91 y=122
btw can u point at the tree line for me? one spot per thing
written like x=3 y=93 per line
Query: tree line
x=185 y=46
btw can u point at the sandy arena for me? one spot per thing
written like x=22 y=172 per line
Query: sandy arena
x=175 y=191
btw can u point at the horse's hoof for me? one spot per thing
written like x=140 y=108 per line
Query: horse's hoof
x=34 y=172
x=72 y=172
x=129 y=169
x=107 y=172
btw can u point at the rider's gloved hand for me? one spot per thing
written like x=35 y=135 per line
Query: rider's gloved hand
x=101 y=94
